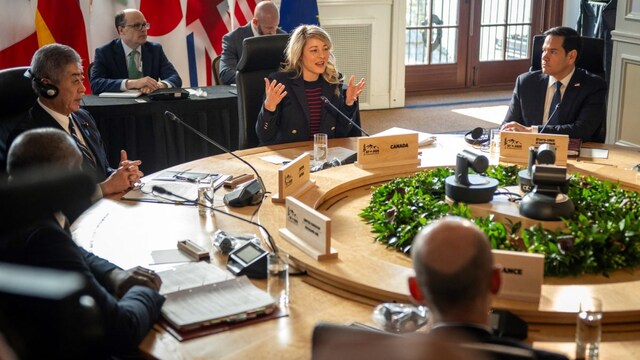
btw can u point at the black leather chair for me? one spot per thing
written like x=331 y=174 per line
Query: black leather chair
x=261 y=55
x=591 y=58
x=16 y=97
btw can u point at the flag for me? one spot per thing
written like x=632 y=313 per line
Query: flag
x=298 y=12
x=190 y=31
x=19 y=39
x=62 y=22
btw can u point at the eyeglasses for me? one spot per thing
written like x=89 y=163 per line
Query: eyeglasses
x=140 y=26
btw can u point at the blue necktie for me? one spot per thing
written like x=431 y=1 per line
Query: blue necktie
x=86 y=153
x=555 y=101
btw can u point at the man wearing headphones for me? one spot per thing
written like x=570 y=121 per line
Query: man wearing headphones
x=57 y=78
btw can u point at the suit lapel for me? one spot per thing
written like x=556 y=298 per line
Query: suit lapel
x=538 y=101
x=570 y=95
x=146 y=54
x=120 y=59
x=297 y=89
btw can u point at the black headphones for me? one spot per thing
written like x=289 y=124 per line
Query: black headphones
x=477 y=136
x=48 y=91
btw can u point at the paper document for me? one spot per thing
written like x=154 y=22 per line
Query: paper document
x=124 y=94
x=424 y=139
x=227 y=301
x=190 y=276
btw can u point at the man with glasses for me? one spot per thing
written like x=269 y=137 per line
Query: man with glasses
x=265 y=22
x=132 y=62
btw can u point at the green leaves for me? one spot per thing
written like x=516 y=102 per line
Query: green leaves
x=602 y=236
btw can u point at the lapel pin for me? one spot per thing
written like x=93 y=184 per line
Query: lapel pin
x=576 y=85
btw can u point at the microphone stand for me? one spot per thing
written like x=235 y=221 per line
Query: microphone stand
x=160 y=190
x=550 y=118
x=173 y=117
x=326 y=101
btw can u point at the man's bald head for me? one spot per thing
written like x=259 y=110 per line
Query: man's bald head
x=266 y=17
x=453 y=263
x=42 y=147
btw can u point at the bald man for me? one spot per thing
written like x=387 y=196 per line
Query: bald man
x=128 y=301
x=132 y=62
x=265 y=22
x=457 y=280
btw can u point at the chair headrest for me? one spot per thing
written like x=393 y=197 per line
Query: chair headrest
x=262 y=52
x=16 y=94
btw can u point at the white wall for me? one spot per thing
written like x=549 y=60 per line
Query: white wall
x=570 y=13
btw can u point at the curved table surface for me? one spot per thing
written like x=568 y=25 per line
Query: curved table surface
x=364 y=274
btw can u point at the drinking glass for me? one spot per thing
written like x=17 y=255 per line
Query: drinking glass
x=589 y=329
x=494 y=141
x=205 y=193
x=278 y=278
x=320 y=148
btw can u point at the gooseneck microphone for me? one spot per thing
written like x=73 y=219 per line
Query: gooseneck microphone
x=550 y=118
x=252 y=193
x=326 y=101
x=160 y=190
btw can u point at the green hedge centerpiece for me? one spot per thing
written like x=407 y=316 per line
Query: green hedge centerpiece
x=602 y=236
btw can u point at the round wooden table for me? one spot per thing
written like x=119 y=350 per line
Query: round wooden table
x=366 y=273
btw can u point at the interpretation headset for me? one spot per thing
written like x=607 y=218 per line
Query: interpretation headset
x=477 y=136
x=48 y=91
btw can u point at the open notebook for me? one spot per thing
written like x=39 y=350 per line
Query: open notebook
x=200 y=294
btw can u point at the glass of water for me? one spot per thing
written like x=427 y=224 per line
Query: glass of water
x=589 y=329
x=205 y=195
x=320 y=148
x=278 y=278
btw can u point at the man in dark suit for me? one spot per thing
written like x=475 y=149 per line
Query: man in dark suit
x=132 y=62
x=560 y=98
x=265 y=22
x=128 y=301
x=57 y=78
x=457 y=279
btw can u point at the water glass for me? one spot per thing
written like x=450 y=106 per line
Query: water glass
x=589 y=329
x=278 y=278
x=494 y=141
x=205 y=195
x=320 y=148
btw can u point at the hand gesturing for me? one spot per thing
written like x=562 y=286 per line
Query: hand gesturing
x=274 y=93
x=354 y=90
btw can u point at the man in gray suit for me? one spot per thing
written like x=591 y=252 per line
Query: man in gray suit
x=265 y=22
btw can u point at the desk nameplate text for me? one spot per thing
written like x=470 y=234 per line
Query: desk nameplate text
x=514 y=146
x=387 y=151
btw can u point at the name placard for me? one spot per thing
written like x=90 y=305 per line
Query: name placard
x=522 y=275
x=514 y=146
x=387 y=150
x=308 y=230
x=293 y=178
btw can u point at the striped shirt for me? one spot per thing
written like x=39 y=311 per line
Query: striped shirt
x=313 y=91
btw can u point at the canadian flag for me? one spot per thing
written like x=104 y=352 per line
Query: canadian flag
x=189 y=30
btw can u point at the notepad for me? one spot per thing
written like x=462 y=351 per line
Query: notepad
x=209 y=299
x=123 y=94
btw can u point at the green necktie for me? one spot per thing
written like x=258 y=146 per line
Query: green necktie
x=132 y=67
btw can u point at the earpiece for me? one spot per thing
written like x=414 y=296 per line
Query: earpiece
x=48 y=91
x=477 y=136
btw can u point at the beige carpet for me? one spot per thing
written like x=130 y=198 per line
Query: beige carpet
x=442 y=113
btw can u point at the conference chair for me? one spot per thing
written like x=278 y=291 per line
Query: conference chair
x=261 y=55
x=16 y=97
x=215 y=67
x=591 y=59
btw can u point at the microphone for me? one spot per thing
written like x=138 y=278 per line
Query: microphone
x=550 y=118
x=252 y=193
x=163 y=191
x=326 y=101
